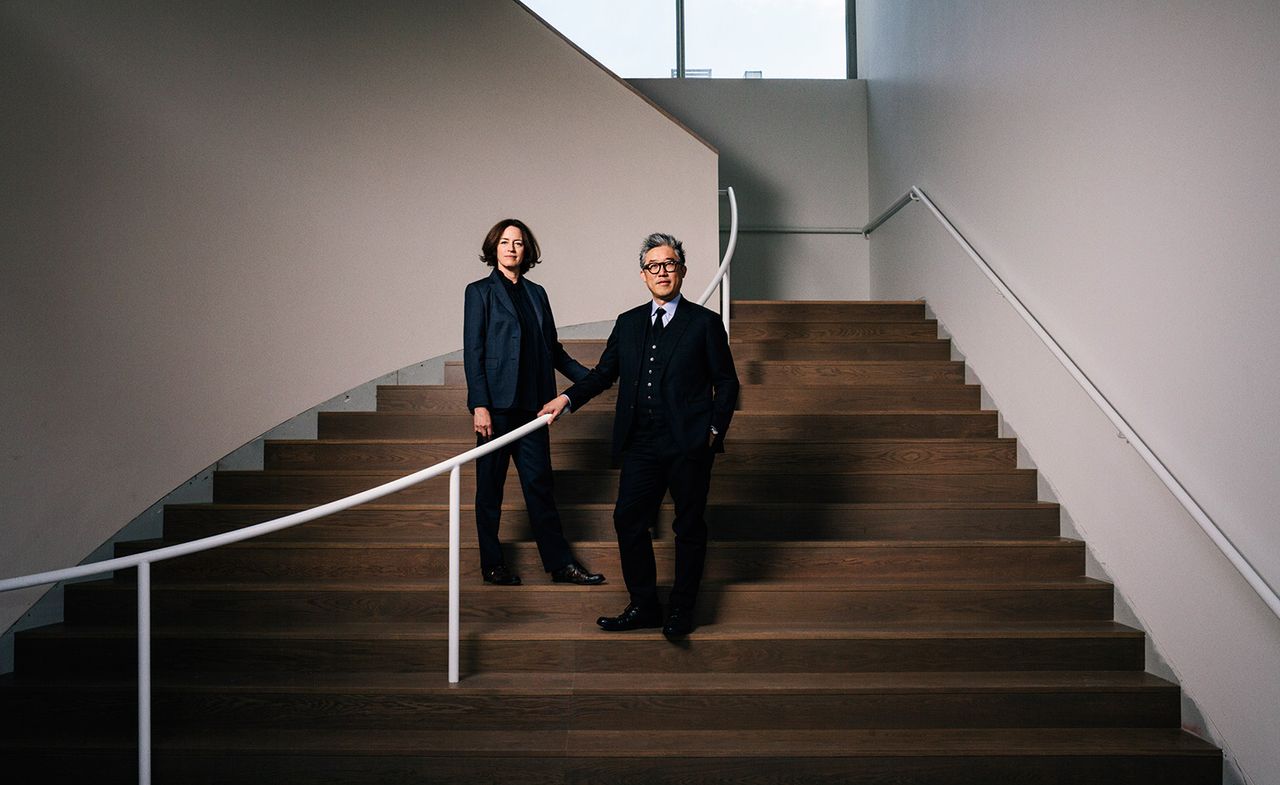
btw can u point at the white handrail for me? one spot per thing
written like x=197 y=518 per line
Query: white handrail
x=268 y=527
x=1206 y=523
x=722 y=274
x=143 y=561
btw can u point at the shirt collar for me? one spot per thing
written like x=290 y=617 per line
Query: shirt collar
x=669 y=309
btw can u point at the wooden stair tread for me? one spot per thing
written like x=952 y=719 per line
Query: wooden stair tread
x=578 y=343
x=634 y=743
x=605 y=683
x=1047 y=542
x=747 y=416
x=394 y=473
x=779 y=506
x=745 y=441
x=586 y=629
x=803 y=303
x=471 y=582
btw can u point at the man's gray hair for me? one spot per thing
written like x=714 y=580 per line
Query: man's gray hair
x=657 y=240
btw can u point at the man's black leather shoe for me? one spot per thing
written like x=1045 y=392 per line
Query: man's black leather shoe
x=634 y=617
x=576 y=573
x=501 y=576
x=679 y=622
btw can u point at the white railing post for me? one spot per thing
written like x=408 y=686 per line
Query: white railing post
x=144 y=673
x=724 y=301
x=455 y=517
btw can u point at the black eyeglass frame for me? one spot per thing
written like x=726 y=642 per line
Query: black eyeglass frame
x=667 y=267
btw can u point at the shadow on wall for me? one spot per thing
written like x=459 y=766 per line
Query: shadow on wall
x=799 y=267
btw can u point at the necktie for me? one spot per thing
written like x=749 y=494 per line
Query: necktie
x=657 y=322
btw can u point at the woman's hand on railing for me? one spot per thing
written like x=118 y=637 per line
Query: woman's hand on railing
x=482 y=422
x=555 y=407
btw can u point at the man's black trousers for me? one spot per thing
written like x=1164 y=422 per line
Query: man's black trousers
x=651 y=467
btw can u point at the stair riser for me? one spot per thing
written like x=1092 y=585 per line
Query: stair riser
x=620 y=653
x=97 y=604
x=869 y=456
x=845 y=374
x=726 y=522
x=221 y=767
x=933 y=769
x=810 y=372
x=321 y=710
x=746 y=331
x=748 y=427
x=602 y=487
x=753 y=398
x=826 y=312
x=726 y=562
x=588 y=352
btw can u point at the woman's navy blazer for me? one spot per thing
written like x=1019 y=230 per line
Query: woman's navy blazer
x=491 y=344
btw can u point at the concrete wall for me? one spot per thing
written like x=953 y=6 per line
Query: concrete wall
x=1116 y=163
x=216 y=216
x=795 y=151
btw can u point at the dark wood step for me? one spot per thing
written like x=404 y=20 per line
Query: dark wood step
x=777 y=602
x=799 y=372
x=881 y=455
x=812 y=372
x=884 y=601
x=805 y=521
x=576 y=645
x=1051 y=756
x=826 y=311
x=597 y=423
x=753 y=398
x=588 y=352
x=573 y=486
x=746 y=331
x=602 y=701
x=727 y=561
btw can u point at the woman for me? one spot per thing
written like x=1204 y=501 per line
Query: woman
x=511 y=353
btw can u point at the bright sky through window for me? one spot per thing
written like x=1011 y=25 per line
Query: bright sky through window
x=781 y=39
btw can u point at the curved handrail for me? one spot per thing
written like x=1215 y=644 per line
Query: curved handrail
x=722 y=273
x=273 y=525
x=143 y=561
x=1127 y=432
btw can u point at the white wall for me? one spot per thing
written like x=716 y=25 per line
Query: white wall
x=795 y=151
x=216 y=216
x=1116 y=163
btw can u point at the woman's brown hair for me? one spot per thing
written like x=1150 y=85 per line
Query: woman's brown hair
x=489 y=249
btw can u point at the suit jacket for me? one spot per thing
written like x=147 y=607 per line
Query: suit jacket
x=491 y=344
x=695 y=375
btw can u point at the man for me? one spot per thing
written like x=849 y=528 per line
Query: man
x=676 y=393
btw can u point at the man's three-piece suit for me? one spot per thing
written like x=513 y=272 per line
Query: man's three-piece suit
x=676 y=387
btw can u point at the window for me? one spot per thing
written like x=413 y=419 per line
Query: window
x=766 y=39
x=734 y=39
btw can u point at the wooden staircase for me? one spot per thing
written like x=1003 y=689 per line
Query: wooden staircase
x=885 y=601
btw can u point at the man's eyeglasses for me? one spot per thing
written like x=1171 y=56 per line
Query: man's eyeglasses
x=652 y=268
